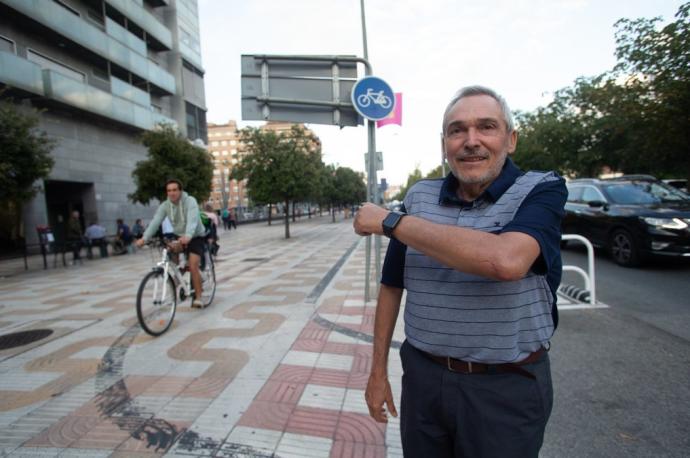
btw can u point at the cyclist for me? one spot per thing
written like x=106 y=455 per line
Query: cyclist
x=183 y=212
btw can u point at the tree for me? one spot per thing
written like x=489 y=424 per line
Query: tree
x=350 y=186
x=25 y=160
x=171 y=155
x=279 y=167
x=632 y=119
x=657 y=63
x=412 y=178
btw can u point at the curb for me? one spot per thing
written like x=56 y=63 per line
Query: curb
x=574 y=292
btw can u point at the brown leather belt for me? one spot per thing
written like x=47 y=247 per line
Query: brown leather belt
x=468 y=367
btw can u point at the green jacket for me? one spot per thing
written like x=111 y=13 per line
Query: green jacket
x=184 y=218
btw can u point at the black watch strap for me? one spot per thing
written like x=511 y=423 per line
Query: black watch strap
x=390 y=222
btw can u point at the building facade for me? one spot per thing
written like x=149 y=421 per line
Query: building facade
x=227 y=150
x=102 y=72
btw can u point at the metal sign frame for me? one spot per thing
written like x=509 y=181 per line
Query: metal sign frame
x=298 y=88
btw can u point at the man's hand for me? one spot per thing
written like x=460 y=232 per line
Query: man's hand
x=139 y=242
x=369 y=218
x=379 y=392
x=184 y=240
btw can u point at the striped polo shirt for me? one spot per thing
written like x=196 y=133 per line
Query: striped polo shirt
x=451 y=313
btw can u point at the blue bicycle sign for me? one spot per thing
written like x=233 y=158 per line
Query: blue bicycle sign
x=373 y=98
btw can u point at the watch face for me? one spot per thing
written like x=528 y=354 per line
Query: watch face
x=390 y=222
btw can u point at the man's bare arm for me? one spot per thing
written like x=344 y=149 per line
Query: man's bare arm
x=378 y=388
x=506 y=256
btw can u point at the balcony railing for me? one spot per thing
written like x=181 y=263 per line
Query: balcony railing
x=121 y=89
x=124 y=36
x=136 y=13
x=89 y=36
x=81 y=95
x=20 y=73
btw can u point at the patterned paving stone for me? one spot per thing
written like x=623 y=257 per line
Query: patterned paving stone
x=313 y=422
x=346 y=449
x=303 y=446
x=267 y=415
x=325 y=397
x=253 y=371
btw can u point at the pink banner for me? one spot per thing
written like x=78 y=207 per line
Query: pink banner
x=396 y=115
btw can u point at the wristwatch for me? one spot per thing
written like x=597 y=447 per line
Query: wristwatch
x=390 y=222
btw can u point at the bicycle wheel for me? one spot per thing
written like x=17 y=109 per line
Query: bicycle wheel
x=156 y=303
x=363 y=100
x=208 y=280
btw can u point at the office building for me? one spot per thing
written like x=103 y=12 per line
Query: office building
x=102 y=72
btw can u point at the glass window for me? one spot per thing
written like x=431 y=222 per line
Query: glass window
x=69 y=8
x=643 y=192
x=590 y=194
x=52 y=64
x=574 y=193
x=6 y=44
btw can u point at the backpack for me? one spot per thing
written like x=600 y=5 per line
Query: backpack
x=206 y=221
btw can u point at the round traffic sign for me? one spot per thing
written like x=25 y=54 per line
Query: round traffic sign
x=373 y=98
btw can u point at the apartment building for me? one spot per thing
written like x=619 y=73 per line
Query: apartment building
x=227 y=150
x=102 y=72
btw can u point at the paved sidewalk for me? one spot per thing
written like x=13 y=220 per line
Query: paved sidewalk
x=277 y=366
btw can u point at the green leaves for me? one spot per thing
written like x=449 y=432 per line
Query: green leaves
x=25 y=154
x=632 y=119
x=24 y=159
x=171 y=156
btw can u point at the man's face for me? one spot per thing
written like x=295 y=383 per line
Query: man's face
x=173 y=191
x=476 y=140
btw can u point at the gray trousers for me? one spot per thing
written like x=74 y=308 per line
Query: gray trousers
x=449 y=414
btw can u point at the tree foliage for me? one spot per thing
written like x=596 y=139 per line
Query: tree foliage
x=634 y=118
x=280 y=167
x=170 y=155
x=25 y=159
x=412 y=178
x=342 y=186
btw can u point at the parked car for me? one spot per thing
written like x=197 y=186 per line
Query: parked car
x=679 y=183
x=633 y=217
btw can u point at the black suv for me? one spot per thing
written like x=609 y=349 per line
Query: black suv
x=633 y=216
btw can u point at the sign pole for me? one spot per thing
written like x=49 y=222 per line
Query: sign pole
x=371 y=197
x=371 y=140
x=374 y=99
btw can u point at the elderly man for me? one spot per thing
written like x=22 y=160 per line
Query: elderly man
x=478 y=254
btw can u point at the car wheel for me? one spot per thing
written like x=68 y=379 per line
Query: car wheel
x=623 y=248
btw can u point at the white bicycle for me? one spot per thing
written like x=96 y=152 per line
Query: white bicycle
x=377 y=98
x=160 y=289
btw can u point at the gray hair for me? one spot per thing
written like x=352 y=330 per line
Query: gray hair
x=469 y=91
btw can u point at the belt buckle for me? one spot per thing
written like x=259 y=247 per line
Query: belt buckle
x=450 y=368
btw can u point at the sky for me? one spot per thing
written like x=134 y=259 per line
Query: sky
x=426 y=49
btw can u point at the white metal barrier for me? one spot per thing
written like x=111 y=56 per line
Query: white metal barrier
x=588 y=277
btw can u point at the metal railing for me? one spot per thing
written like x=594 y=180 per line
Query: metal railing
x=589 y=276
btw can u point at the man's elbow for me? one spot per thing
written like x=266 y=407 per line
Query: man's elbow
x=507 y=269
